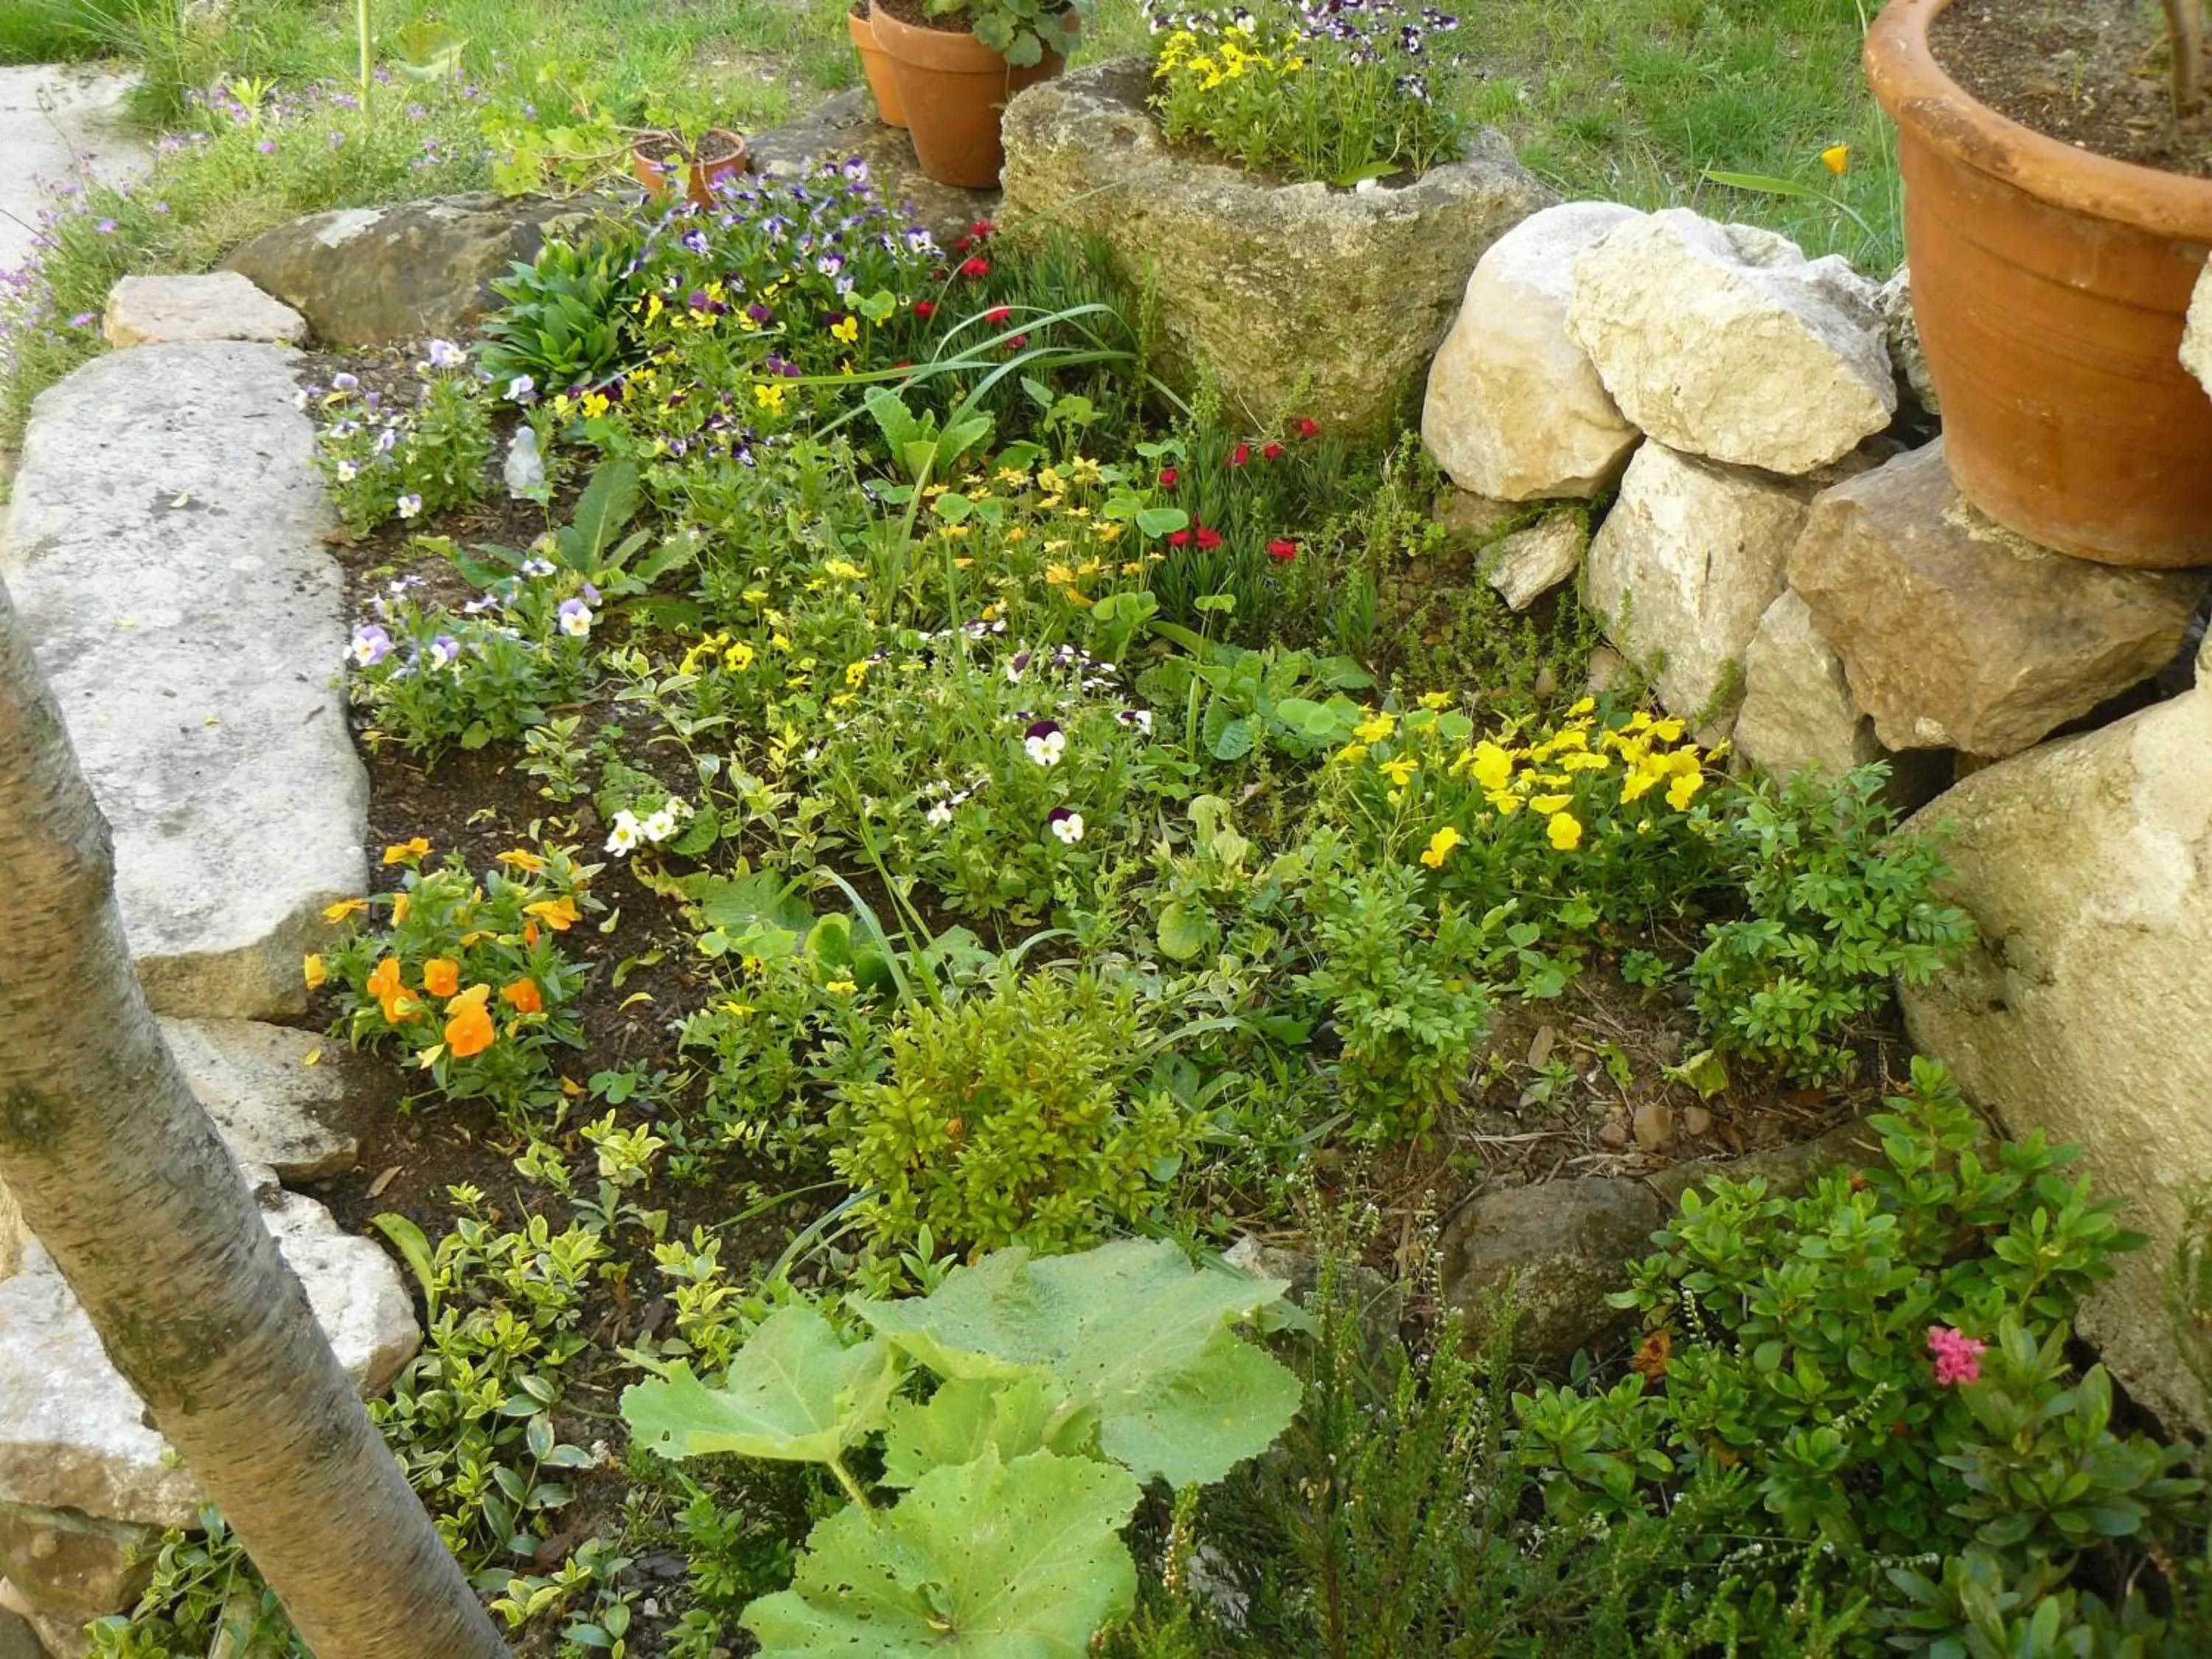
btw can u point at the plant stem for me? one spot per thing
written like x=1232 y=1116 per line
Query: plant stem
x=852 y=1486
x=360 y=33
x=2185 y=30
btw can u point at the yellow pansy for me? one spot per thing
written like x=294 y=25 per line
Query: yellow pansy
x=1551 y=803
x=314 y=971
x=1440 y=847
x=407 y=852
x=1400 y=771
x=1437 y=701
x=1493 y=766
x=1565 y=831
x=1375 y=727
x=1684 y=790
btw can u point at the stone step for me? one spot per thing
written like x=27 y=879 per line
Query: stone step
x=163 y=546
x=277 y=1095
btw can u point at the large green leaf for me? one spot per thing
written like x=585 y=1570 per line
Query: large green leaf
x=794 y=1393
x=1013 y=1417
x=981 y=1560
x=1130 y=1329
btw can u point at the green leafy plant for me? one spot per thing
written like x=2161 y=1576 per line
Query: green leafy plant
x=1060 y=1385
x=1402 y=989
x=1839 y=903
x=1824 y=1348
x=561 y=327
x=1022 y=32
x=1016 y=1114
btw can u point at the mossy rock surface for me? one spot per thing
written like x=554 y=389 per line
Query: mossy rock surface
x=1303 y=299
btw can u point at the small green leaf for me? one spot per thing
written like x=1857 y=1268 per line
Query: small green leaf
x=414 y=1247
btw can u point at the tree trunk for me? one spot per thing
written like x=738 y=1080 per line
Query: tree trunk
x=122 y=1178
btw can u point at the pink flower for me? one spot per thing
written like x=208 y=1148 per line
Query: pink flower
x=998 y=313
x=1240 y=454
x=975 y=269
x=1958 y=1356
x=1271 y=452
x=1208 y=539
x=1168 y=476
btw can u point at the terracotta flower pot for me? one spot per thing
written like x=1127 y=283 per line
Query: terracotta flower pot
x=953 y=87
x=2050 y=286
x=876 y=67
x=659 y=158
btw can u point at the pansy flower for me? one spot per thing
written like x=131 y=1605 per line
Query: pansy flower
x=1066 y=823
x=575 y=618
x=1045 y=742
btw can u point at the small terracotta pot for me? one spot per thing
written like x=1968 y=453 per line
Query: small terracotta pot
x=882 y=86
x=953 y=89
x=657 y=158
x=2051 y=286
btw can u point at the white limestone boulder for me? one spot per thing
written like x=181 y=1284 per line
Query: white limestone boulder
x=1683 y=569
x=1514 y=408
x=2087 y=866
x=163 y=548
x=1724 y=341
x=2197 y=336
x=222 y=305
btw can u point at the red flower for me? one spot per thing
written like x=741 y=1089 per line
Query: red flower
x=1018 y=342
x=963 y=244
x=998 y=313
x=1179 y=539
x=1208 y=539
x=1283 y=551
x=1240 y=454
x=983 y=227
x=1272 y=452
x=1168 y=476
x=977 y=267
x=925 y=309
x=1308 y=426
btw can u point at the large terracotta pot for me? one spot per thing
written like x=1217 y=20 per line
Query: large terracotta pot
x=953 y=87
x=876 y=66
x=2050 y=286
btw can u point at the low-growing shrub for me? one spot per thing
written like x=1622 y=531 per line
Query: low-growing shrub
x=1013 y=1115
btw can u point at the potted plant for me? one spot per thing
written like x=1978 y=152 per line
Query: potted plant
x=660 y=160
x=875 y=65
x=957 y=63
x=2051 y=281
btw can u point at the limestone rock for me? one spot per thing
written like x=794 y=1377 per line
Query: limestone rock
x=1470 y=517
x=1561 y=1248
x=73 y=1566
x=221 y=305
x=1798 y=713
x=2197 y=336
x=73 y=1434
x=163 y=550
x=1726 y=342
x=1529 y=563
x=271 y=1105
x=1901 y=333
x=1303 y=299
x=1684 y=568
x=2087 y=866
x=846 y=126
x=1514 y=408
x=1957 y=633
x=362 y=275
x=59 y=122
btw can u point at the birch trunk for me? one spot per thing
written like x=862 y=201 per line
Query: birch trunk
x=122 y=1178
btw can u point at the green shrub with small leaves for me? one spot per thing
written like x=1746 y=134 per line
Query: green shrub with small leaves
x=1839 y=902
x=1016 y=1114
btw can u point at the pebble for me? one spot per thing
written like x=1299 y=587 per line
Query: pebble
x=1697 y=1120
x=1654 y=1125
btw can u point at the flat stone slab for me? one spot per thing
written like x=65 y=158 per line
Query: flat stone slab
x=144 y=311
x=72 y=1432
x=57 y=123
x=277 y=1095
x=163 y=548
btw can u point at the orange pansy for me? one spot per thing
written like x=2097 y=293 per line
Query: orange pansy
x=560 y=915
x=442 y=976
x=469 y=1029
x=523 y=996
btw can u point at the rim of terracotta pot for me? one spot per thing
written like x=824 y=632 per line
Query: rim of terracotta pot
x=1912 y=87
x=957 y=51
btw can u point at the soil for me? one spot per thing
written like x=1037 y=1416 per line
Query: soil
x=2091 y=73
x=911 y=12
x=669 y=149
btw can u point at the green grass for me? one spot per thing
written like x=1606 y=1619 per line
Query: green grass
x=55 y=31
x=1636 y=100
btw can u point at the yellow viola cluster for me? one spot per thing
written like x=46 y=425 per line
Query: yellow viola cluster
x=1187 y=56
x=1641 y=757
x=719 y=649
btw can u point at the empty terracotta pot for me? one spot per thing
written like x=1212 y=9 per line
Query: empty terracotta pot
x=659 y=160
x=953 y=89
x=876 y=67
x=2050 y=286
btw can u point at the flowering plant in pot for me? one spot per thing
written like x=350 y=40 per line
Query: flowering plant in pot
x=2058 y=217
x=1340 y=91
x=956 y=63
x=667 y=160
